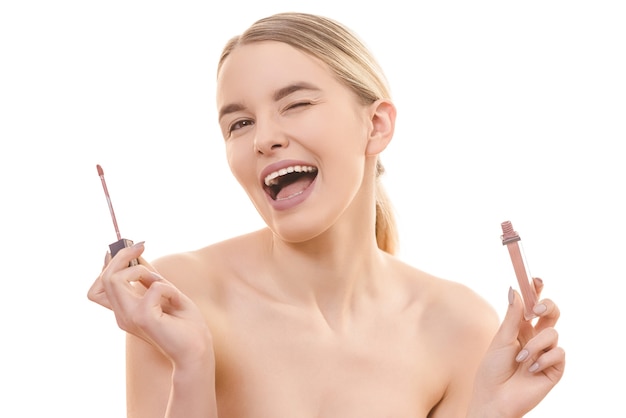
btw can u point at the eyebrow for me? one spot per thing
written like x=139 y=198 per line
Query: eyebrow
x=278 y=95
x=292 y=88
x=230 y=108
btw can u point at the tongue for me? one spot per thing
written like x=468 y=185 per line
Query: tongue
x=294 y=188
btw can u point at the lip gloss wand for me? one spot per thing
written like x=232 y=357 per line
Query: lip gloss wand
x=511 y=239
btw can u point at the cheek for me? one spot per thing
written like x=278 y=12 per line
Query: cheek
x=330 y=129
x=240 y=161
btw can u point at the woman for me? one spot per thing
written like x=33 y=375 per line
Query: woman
x=313 y=316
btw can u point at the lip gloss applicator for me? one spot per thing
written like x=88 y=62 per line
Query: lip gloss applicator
x=511 y=239
x=121 y=242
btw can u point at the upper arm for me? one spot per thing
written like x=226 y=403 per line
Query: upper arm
x=471 y=330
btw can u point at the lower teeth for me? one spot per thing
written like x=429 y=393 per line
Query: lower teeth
x=290 y=196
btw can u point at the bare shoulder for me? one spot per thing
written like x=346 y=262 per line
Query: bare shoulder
x=202 y=272
x=456 y=326
x=452 y=309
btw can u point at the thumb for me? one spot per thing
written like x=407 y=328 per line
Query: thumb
x=509 y=330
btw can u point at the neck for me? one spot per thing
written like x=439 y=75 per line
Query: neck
x=332 y=278
x=336 y=271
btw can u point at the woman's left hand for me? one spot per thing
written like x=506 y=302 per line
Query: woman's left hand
x=523 y=363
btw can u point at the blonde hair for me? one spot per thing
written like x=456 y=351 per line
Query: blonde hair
x=350 y=60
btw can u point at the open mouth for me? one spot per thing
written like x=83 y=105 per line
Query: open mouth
x=289 y=181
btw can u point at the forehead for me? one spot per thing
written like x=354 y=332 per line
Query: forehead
x=263 y=67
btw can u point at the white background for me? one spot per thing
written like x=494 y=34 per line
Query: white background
x=507 y=111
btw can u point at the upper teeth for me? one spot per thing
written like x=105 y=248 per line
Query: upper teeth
x=270 y=179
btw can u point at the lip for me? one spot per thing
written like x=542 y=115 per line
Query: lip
x=292 y=201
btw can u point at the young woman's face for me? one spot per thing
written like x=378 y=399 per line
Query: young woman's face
x=295 y=137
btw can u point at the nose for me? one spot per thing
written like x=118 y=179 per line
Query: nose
x=268 y=137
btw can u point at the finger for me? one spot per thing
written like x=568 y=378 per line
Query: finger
x=548 y=313
x=510 y=326
x=107 y=259
x=124 y=287
x=148 y=278
x=160 y=298
x=129 y=278
x=98 y=290
x=146 y=264
x=538 y=285
x=551 y=363
x=536 y=346
x=169 y=296
x=124 y=256
x=97 y=294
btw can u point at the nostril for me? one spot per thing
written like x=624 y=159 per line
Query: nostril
x=272 y=147
x=269 y=144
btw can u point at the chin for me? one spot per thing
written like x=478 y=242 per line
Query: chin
x=296 y=232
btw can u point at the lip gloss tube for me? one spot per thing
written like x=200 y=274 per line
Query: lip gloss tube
x=512 y=240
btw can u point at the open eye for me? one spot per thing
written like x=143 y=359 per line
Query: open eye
x=239 y=124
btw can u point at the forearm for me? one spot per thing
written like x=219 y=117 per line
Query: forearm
x=484 y=404
x=484 y=412
x=193 y=392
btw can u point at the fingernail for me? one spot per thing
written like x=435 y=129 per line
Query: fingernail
x=138 y=244
x=521 y=356
x=511 y=296
x=533 y=368
x=539 y=309
x=538 y=280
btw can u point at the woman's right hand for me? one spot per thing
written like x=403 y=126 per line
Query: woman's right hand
x=148 y=306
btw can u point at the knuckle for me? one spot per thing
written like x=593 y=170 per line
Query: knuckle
x=554 y=334
x=91 y=295
x=560 y=351
x=105 y=277
x=550 y=334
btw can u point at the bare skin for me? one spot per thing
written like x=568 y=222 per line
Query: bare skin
x=308 y=317
x=397 y=346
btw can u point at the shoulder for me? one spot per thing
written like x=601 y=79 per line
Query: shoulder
x=464 y=306
x=203 y=271
x=457 y=325
x=454 y=311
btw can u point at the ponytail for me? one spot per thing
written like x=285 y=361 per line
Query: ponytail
x=386 y=228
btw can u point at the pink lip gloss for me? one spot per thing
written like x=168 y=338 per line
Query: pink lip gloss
x=511 y=239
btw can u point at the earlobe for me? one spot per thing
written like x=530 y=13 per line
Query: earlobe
x=383 y=122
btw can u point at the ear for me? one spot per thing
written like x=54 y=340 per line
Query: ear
x=383 y=123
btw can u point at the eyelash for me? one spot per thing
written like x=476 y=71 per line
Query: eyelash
x=248 y=122
x=297 y=104
x=243 y=123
